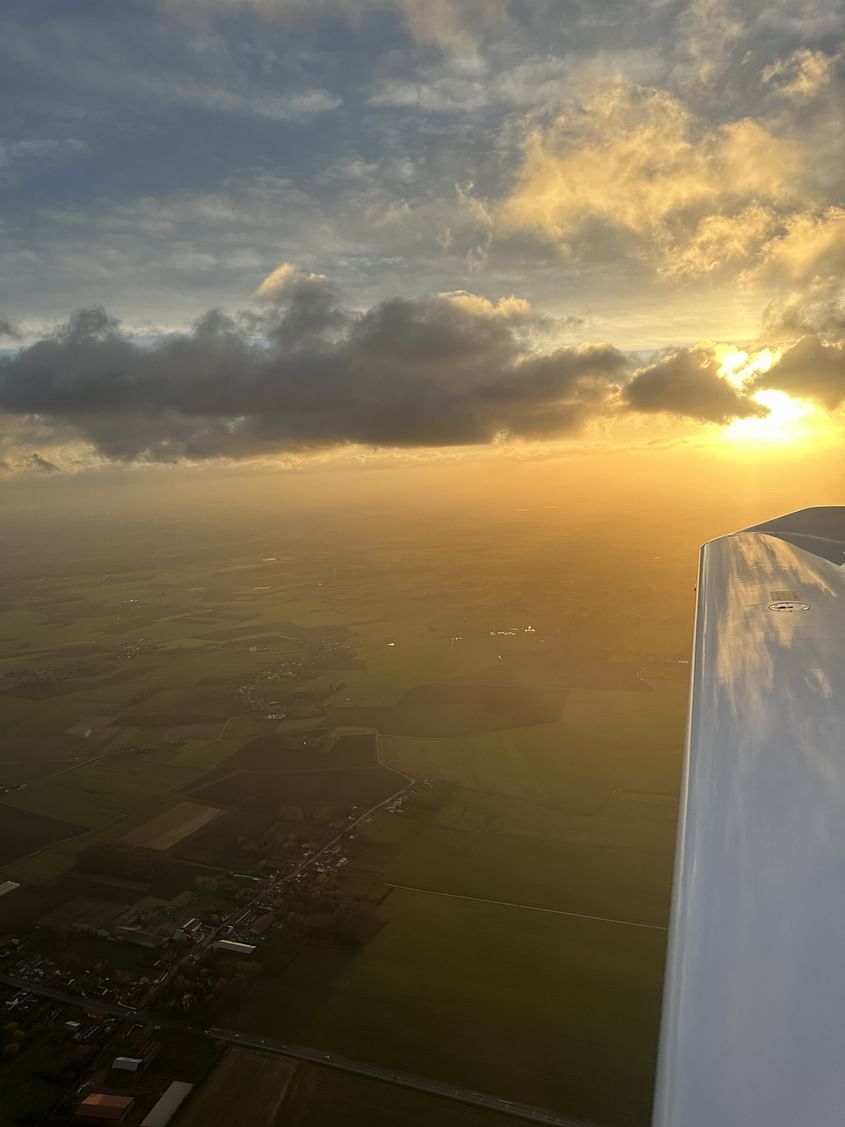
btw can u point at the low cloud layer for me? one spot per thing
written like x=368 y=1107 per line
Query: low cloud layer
x=687 y=383
x=813 y=368
x=299 y=372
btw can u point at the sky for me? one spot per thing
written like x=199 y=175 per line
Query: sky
x=271 y=231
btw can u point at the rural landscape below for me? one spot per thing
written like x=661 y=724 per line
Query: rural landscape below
x=372 y=373
x=399 y=788
x=314 y=809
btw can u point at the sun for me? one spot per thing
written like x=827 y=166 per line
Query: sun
x=788 y=421
x=739 y=367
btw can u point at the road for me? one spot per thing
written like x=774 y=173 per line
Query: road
x=410 y=780
x=304 y=1053
x=242 y=910
x=526 y=907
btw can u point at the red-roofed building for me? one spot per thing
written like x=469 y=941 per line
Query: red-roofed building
x=104 y=1106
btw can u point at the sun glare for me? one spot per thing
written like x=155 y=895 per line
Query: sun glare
x=788 y=420
x=739 y=367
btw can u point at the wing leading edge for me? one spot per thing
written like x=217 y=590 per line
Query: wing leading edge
x=753 y=1031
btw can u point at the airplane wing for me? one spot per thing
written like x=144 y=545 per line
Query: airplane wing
x=753 y=1031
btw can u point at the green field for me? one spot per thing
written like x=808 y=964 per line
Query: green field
x=246 y=1087
x=616 y=862
x=603 y=742
x=22 y=1090
x=326 y=1097
x=545 y=1009
x=538 y=683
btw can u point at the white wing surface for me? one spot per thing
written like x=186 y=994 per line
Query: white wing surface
x=753 y=1030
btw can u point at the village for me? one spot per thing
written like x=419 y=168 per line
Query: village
x=103 y=984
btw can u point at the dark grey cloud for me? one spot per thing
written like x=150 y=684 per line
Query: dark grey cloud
x=8 y=328
x=303 y=373
x=807 y=314
x=687 y=382
x=813 y=368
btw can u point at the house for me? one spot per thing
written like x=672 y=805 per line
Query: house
x=128 y=1064
x=163 y=1111
x=104 y=1106
x=233 y=947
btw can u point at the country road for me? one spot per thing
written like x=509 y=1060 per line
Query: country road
x=304 y=1053
x=526 y=907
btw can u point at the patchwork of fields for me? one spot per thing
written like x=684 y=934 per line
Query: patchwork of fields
x=533 y=1007
x=218 y=706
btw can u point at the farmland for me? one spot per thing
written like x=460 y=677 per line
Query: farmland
x=539 y=1008
x=320 y=1096
x=188 y=710
x=24 y=832
x=171 y=827
x=245 y=1087
x=273 y=1091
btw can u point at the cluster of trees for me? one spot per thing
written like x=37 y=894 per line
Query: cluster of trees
x=209 y=983
x=218 y=886
x=13 y=1038
x=67 y=1057
x=275 y=838
x=322 y=917
x=351 y=923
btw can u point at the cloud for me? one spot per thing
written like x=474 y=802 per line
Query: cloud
x=41 y=148
x=86 y=66
x=9 y=329
x=722 y=240
x=687 y=382
x=811 y=369
x=802 y=75
x=442 y=95
x=301 y=373
x=453 y=24
x=16 y=155
x=811 y=245
x=286 y=278
x=819 y=309
x=636 y=160
x=295 y=107
x=510 y=308
x=711 y=31
x=37 y=464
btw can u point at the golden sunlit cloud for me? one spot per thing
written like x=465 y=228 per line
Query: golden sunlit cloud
x=479 y=306
x=811 y=244
x=803 y=74
x=282 y=278
x=638 y=160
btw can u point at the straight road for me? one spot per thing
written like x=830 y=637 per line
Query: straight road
x=304 y=1053
x=526 y=907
